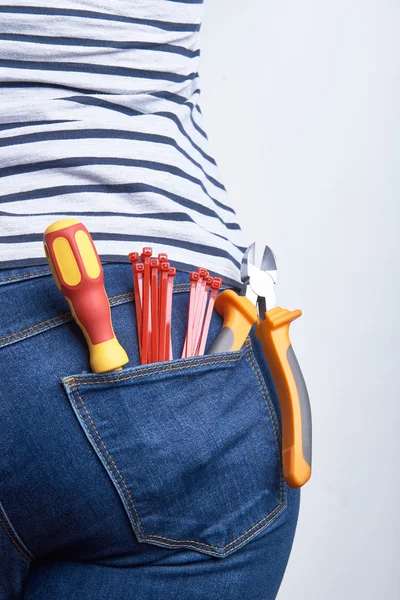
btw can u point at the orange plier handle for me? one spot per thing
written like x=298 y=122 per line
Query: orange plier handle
x=273 y=333
x=239 y=314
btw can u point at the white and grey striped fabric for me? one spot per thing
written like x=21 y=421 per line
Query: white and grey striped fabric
x=100 y=120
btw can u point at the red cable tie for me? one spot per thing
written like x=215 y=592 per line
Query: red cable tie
x=194 y=277
x=202 y=313
x=139 y=272
x=215 y=286
x=168 y=323
x=162 y=352
x=199 y=310
x=134 y=258
x=155 y=315
x=196 y=298
x=146 y=340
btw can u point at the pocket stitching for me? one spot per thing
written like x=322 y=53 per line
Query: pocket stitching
x=11 y=533
x=143 y=371
x=26 y=275
x=267 y=399
x=12 y=539
x=273 y=419
x=108 y=453
x=71 y=386
x=47 y=324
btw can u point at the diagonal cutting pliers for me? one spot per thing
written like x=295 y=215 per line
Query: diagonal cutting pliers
x=256 y=304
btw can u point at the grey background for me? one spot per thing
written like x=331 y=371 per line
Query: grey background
x=301 y=102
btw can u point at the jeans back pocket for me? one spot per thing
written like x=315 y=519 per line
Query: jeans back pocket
x=192 y=446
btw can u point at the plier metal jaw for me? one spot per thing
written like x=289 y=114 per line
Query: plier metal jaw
x=256 y=304
x=258 y=283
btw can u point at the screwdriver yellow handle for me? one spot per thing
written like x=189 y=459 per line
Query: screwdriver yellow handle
x=292 y=392
x=239 y=315
x=78 y=274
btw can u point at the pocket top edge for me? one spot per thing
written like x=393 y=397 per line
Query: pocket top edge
x=178 y=365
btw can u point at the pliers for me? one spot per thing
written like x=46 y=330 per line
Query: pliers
x=256 y=303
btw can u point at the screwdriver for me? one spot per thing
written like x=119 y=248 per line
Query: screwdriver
x=78 y=274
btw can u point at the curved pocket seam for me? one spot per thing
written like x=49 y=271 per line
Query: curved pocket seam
x=267 y=400
x=12 y=534
x=13 y=540
x=105 y=460
x=71 y=385
x=273 y=419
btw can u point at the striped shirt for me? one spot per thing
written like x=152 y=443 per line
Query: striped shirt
x=100 y=120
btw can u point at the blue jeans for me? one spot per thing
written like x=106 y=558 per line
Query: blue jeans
x=156 y=482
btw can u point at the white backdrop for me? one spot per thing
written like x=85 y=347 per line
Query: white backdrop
x=301 y=100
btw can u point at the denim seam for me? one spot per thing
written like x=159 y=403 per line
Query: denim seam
x=26 y=275
x=13 y=536
x=156 y=370
x=279 y=508
x=175 y=366
x=274 y=422
x=67 y=316
x=101 y=454
x=33 y=329
x=267 y=399
x=148 y=537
